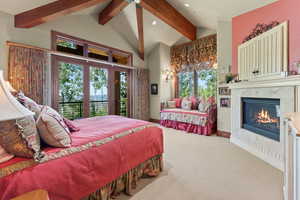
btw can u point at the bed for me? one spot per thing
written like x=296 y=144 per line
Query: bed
x=108 y=155
x=191 y=121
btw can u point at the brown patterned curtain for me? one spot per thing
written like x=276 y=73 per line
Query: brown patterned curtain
x=199 y=54
x=26 y=69
x=141 y=98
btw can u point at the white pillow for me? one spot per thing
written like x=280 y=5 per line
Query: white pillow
x=186 y=104
x=171 y=104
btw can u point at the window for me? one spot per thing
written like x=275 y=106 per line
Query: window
x=186 y=84
x=69 y=46
x=207 y=83
x=202 y=83
x=72 y=45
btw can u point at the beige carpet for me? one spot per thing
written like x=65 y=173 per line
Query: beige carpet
x=209 y=168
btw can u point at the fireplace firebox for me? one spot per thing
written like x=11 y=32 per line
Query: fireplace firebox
x=262 y=116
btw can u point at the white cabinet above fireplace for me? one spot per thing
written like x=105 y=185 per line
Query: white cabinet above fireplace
x=265 y=56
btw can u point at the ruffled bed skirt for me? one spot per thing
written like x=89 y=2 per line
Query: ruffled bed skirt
x=207 y=130
x=128 y=181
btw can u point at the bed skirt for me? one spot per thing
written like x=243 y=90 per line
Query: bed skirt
x=128 y=181
x=207 y=130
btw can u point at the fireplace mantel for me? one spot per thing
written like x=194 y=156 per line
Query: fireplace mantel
x=287 y=91
x=282 y=82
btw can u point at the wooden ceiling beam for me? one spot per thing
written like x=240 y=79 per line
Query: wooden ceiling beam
x=140 y=25
x=113 y=9
x=51 y=11
x=167 y=13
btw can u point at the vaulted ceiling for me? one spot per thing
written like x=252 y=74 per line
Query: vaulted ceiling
x=201 y=13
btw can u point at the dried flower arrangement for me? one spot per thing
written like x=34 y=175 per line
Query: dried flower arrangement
x=259 y=29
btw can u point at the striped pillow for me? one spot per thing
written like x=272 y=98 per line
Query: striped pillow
x=4 y=156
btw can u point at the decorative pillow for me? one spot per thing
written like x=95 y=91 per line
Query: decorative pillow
x=171 y=104
x=203 y=107
x=4 y=156
x=195 y=102
x=29 y=104
x=53 y=129
x=178 y=102
x=30 y=134
x=186 y=104
x=72 y=127
x=11 y=140
x=211 y=100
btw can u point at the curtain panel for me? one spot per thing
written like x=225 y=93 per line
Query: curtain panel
x=26 y=71
x=195 y=55
x=141 y=97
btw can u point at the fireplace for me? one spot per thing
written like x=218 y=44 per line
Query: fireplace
x=262 y=116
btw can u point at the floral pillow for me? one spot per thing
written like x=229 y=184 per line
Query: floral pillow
x=204 y=105
x=53 y=129
x=178 y=102
x=4 y=156
x=29 y=104
x=186 y=104
x=195 y=102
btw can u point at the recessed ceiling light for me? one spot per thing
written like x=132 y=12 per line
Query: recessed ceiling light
x=187 y=5
x=154 y=23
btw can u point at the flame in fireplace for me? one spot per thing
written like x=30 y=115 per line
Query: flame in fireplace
x=264 y=117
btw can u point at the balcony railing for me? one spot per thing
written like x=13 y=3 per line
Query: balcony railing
x=74 y=110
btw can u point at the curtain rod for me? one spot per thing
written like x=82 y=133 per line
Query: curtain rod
x=57 y=53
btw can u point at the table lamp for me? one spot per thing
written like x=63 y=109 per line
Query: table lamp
x=10 y=88
x=10 y=108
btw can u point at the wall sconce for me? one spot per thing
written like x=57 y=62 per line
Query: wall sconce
x=168 y=74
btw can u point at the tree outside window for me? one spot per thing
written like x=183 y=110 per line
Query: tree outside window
x=203 y=85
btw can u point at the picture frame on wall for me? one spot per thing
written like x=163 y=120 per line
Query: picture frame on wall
x=225 y=102
x=224 y=91
x=154 y=89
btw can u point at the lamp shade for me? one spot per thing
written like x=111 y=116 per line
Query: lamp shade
x=10 y=108
x=9 y=87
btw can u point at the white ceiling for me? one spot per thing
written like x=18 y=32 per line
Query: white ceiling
x=202 y=13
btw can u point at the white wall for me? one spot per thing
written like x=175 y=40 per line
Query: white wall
x=4 y=36
x=82 y=26
x=224 y=35
x=224 y=38
x=159 y=60
x=201 y=32
x=154 y=69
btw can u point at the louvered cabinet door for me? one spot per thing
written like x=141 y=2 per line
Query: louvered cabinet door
x=264 y=56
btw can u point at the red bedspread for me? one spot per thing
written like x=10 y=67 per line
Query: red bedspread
x=79 y=174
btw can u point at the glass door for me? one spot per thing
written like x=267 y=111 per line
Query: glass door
x=122 y=106
x=87 y=89
x=99 y=97
x=70 y=90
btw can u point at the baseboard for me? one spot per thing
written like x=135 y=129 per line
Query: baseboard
x=275 y=163
x=155 y=121
x=223 y=134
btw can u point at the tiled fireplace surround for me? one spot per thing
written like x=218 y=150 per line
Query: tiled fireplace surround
x=287 y=90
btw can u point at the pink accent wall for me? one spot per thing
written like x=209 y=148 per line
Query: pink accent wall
x=282 y=10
